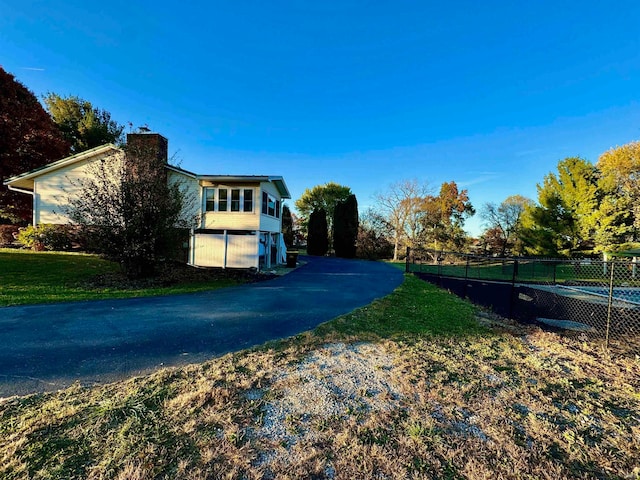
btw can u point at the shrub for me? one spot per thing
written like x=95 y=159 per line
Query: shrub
x=7 y=234
x=45 y=237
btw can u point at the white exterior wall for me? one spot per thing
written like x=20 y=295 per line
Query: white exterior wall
x=227 y=249
x=224 y=250
x=191 y=189
x=52 y=191
x=268 y=223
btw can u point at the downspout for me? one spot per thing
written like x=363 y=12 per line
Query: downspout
x=226 y=246
x=28 y=192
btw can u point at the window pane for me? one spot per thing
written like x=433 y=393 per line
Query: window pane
x=265 y=201
x=272 y=206
x=248 y=201
x=209 y=195
x=222 y=200
x=277 y=208
x=235 y=200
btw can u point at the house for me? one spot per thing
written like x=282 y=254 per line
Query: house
x=239 y=216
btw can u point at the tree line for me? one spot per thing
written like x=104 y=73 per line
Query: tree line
x=408 y=214
x=582 y=209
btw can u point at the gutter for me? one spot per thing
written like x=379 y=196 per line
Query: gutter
x=21 y=190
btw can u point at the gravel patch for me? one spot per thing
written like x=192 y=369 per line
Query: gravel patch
x=334 y=382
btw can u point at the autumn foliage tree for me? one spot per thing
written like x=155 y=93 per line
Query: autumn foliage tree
x=619 y=212
x=28 y=139
x=444 y=216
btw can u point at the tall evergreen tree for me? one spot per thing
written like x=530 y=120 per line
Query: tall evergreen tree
x=318 y=233
x=345 y=227
x=28 y=139
x=287 y=226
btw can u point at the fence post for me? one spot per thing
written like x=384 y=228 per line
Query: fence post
x=466 y=277
x=513 y=288
x=406 y=260
x=610 y=301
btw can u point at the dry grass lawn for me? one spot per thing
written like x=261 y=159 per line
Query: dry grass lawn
x=417 y=385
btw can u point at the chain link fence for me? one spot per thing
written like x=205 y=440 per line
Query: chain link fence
x=594 y=299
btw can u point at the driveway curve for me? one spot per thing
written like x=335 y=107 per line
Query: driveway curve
x=48 y=347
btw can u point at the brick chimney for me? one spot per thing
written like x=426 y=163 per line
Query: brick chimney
x=147 y=143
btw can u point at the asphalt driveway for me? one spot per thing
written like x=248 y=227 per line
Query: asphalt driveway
x=48 y=347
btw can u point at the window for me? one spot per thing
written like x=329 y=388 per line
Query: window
x=248 y=201
x=235 y=200
x=210 y=196
x=270 y=206
x=222 y=200
x=228 y=200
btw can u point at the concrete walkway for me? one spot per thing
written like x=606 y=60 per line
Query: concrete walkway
x=48 y=347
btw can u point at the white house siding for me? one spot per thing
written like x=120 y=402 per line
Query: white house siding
x=268 y=223
x=191 y=188
x=226 y=250
x=53 y=190
x=231 y=220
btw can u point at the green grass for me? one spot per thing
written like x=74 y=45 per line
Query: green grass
x=28 y=277
x=404 y=313
x=458 y=401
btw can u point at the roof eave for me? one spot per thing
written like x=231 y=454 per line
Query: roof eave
x=17 y=180
x=278 y=181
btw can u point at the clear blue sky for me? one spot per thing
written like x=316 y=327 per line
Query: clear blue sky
x=489 y=94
